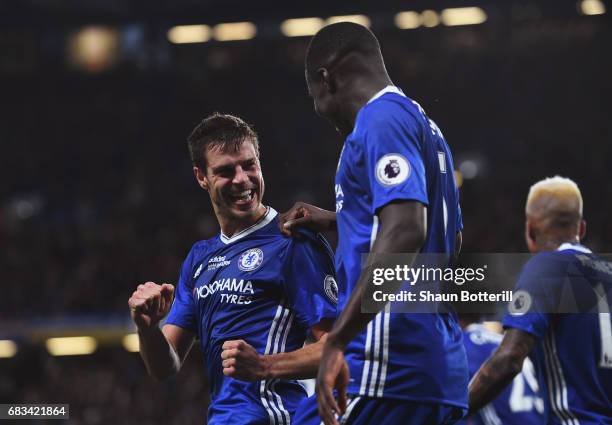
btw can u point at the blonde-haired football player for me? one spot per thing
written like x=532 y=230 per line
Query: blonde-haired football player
x=572 y=352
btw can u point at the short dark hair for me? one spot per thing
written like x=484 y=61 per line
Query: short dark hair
x=223 y=131
x=335 y=41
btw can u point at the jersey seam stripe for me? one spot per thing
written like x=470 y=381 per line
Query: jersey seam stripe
x=285 y=412
x=557 y=363
x=366 y=364
x=555 y=384
x=552 y=382
x=385 y=360
x=376 y=362
x=365 y=379
x=262 y=386
x=279 y=400
x=275 y=399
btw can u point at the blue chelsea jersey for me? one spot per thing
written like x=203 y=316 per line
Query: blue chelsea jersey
x=573 y=356
x=520 y=403
x=396 y=152
x=261 y=287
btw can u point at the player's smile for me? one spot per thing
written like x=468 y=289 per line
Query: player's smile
x=245 y=199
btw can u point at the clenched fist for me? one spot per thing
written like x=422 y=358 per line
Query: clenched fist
x=150 y=303
x=241 y=361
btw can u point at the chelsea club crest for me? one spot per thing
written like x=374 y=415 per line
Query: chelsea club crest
x=250 y=259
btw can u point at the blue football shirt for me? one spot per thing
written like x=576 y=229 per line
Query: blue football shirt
x=573 y=356
x=266 y=289
x=396 y=152
x=520 y=403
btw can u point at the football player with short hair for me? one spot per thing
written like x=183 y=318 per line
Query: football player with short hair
x=395 y=193
x=250 y=295
x=571 y=347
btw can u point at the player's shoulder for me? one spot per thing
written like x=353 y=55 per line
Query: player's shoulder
x=202 y=248
x=548 y=263
x=391 y=109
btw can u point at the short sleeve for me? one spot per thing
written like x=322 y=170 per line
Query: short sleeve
x=182 y=313
x=310 y=282
x=535 y=296
x=394 y=159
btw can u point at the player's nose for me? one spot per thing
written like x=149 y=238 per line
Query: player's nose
x=240 y=176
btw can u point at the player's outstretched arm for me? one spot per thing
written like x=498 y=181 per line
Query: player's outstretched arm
x=402 y=227
x=500 y=369
x=241 y=361
x=309 y=216
x=162 y=351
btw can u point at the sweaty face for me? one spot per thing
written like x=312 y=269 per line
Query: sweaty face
x=234 y=182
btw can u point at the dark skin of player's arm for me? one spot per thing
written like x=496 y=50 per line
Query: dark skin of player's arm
x=402 y=229
x=241 y=361
x=500 y=369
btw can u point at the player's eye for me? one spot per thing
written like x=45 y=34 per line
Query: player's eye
x=224 y=171
x=249 y=165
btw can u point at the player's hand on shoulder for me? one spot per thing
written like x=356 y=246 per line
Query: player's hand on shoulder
x=308 y=216
x=150 y=303
x=241 y=361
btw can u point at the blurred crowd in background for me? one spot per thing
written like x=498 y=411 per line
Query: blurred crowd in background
x=98 y=195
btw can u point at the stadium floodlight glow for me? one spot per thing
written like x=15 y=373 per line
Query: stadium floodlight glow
x=71 y=346
x=8 y=348
x=357 y=19
x=430 y=18
x=131 y=343
x=300 y=27
x=463 y=16
x=234 y=31
x=93 y=48
x=189 y=34
x=592 y=7
x=408 y=20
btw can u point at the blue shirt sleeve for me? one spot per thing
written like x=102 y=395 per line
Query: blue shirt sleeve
x=182 y=313
x=394 y=160
x=309 y=281
x=537 y=293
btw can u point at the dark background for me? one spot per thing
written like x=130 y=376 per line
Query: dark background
x=97 y=193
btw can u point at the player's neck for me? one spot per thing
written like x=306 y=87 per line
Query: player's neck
x=232 y=226
x=360 y=91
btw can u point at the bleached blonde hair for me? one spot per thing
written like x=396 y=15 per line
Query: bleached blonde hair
x=556 y=200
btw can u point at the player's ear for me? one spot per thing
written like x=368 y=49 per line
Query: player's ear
x=582 y=229
x=326 y=80
x=530 y=236
x=201 y=178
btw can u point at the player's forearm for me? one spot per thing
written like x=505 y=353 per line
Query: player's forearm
x=394 y=237
x=298 y=364
x=499 y=370
x=159 y=356
x=491 y=379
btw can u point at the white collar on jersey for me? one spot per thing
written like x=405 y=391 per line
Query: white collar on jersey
x=388 y=89
x=575 y=247
x=264 y=220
